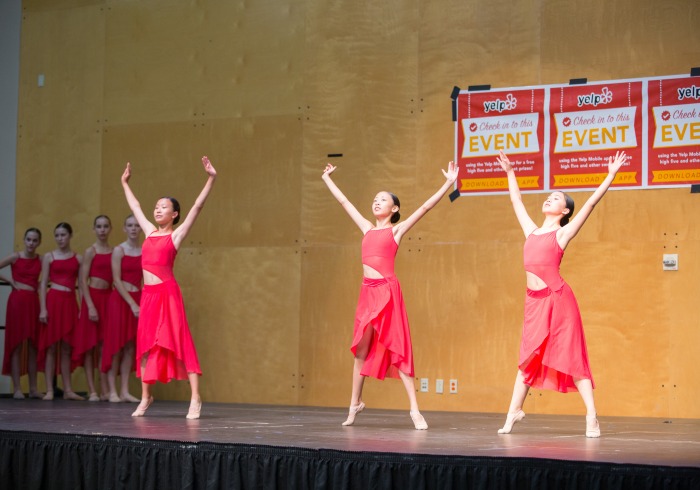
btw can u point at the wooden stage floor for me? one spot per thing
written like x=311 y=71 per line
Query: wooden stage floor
x=645 y=441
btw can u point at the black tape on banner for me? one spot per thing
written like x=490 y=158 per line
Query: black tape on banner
x=695 y=189
x=695 y=71
x=479 y=88
x=454 y=195
x=454 y=110
x=578 y=81
x=335 y=155
x=455 y=92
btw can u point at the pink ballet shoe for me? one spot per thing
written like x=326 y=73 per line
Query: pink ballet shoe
x=18 y=395
x=354 y=410
x=592 y=426
x=143 y=406
x=36 y=395
x=195 y=409
x=418 y=421
x=48 y=396
x=128 y=397
x=104 y=397
x=93 y=397
x=511 y=420
x=71 y=395
x=114 y=398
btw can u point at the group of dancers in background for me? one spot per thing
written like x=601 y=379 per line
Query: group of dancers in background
x=121 y=325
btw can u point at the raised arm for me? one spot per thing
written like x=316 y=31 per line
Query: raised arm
x=403 y=227
x=524 y=219
x=181 y=231
x=117 y=256
x=363 y=223
x=134 y=204
x=566 y=233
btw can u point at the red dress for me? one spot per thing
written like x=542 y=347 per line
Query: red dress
x=163 y=334
x=87 y=333
x=61 y=306
x=553 y=347
x=22 y=316
x=381 y=307
x=121 y=323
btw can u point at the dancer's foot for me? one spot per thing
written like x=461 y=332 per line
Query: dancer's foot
x=195 y=408
x=128 y=397
x=592 y=426
x=18 y=395
x=114 y=398
x=48 y=396
x=71 y=395
x=354 y=410
x=36 y=395
x=143 y=406
x=418 y=420
x=104 y=397
x=93 y=397
x=511 y=420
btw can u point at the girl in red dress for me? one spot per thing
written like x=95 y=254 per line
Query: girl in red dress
x=123 y=313
x=59 y=310
x=96 y=286
x=381 y=338
x=22 y=316
x=553 y=351
x=164 y=346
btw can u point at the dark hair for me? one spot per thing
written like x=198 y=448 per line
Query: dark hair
x=94 y=223
x=35 y=230
x=176 y=207
x=570 y=206
x=396 y=216
x=65 y=226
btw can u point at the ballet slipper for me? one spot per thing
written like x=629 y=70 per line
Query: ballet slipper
x=128 y=397
x=511 y=420
x=354 y=410
x=36 y=395
x=418 y=420
x=71 y=395
x=592 y=426
x=104 y=397
x=18 y=395
x=114 y=398
x=141 y=410
x=48 y=396
x=195 y=409
x=93 y=397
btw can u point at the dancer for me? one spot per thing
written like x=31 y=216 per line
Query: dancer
x=96 y=287
x=22 y=316
x=381 y=339
x=553 y=351
x=59 y=310
x=164 y=346
x=123 y=313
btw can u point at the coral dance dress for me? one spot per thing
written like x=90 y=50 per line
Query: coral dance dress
x=87 y=333
x=163 y=334
x=553 y=347
x=22 y=316
x=121 y=324
x=382 y=308
x=61 y=307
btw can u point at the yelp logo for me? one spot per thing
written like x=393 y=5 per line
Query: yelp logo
x=604 y=97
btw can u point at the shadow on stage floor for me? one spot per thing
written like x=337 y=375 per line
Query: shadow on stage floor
x=62 y=444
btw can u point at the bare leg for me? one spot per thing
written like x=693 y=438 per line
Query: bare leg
x=146 y=398
x=68 y=393
x=104 y=385
x=15 y=370
x=418 y=420
x=49 y=371
x=89 y=367
x=196 y=400
x=515 y=411
x=125 y=371
x=585 y=388
x=112 y=379
x=358 y=380
x=31 y=370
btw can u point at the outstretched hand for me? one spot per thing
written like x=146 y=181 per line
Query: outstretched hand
x=127 y=173
x=328 y=170
x=504 y=162
x=452 y=171
x=614 y=164
x=208 y=167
